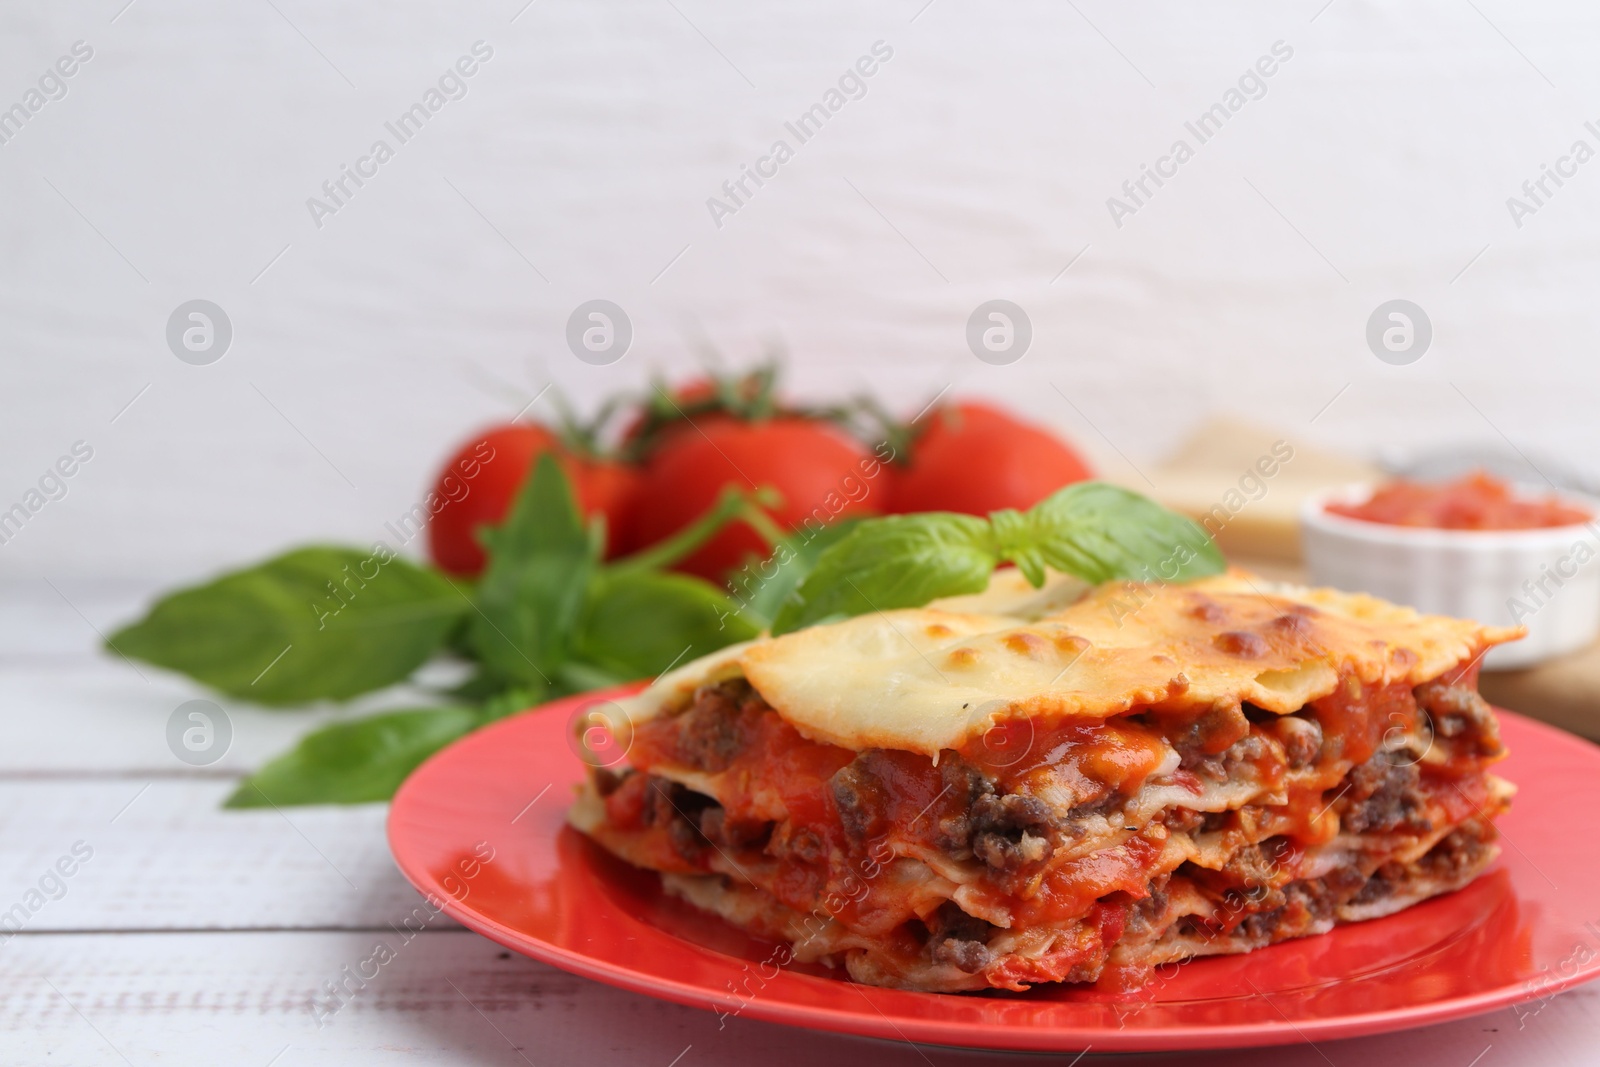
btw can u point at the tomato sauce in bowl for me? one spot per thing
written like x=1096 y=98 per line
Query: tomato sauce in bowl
x=1476 y=501
x=1476 y=548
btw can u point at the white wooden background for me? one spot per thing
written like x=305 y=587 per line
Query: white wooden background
x=978 y=166
x=178 y=165
x=198 y=936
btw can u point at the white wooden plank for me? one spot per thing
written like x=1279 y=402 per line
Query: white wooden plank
x=96 y=714
x=45 y=617
x=455 y=998
x=165 y=856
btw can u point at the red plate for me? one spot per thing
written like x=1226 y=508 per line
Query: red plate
x=1518 y=933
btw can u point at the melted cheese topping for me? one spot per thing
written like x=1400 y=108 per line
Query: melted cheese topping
x=927 y=679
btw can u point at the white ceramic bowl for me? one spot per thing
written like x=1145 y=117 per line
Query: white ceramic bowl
x=1546 y=579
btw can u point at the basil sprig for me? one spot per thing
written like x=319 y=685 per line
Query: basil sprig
x=550 y=617
x=547 y=618
x=1093 y=530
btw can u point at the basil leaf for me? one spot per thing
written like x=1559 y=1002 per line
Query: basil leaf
x=902 y=561
x=540 y=562
x=316 y=623
x=1095 y=531
x=762 y=587
x=354 y=762
x=1101 y=532
x=639 y=623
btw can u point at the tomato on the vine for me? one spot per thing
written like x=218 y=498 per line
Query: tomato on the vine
x=476 y=487
x=975 y=458
x=819 y=473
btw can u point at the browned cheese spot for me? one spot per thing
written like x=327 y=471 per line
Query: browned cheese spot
x=962 y=657
x=1027 y=643
x=1241 y=643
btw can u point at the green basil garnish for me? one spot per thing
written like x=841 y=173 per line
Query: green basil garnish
x=1095 y=531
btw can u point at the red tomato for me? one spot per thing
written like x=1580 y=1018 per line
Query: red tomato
x=476 y=487
x=604 y=487
x=960 y=417
x=975 y=458
x=819 y=472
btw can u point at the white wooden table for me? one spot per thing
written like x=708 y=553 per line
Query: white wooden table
x=198 y=936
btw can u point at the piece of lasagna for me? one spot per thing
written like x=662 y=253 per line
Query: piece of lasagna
x=1067 y=784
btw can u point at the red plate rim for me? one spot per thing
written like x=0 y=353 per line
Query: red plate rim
x=443 y=780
